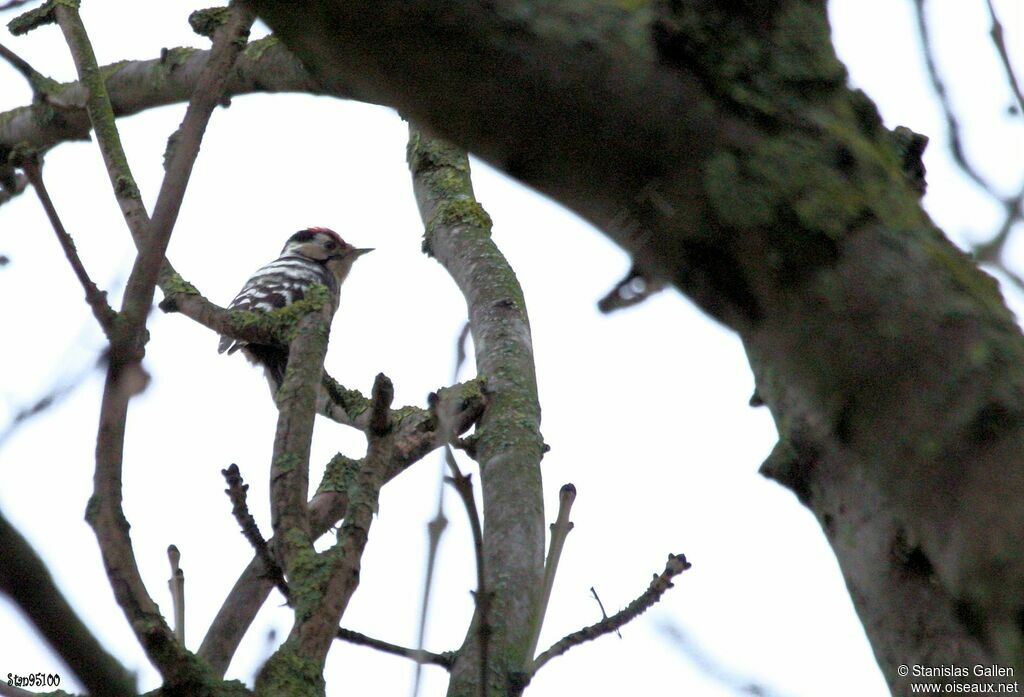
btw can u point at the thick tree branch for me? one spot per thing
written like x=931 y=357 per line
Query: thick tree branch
x=320 y=585
x=780 y=208
x=289 y=470
x=265 y=66
x=363 y=503
x=508 y=441
x=25 y=579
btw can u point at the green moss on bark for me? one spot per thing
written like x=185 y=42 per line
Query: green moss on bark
x=339 y=474
x=282 y=322
x=287 y=673
x=308 y=575
x=35 y=18
x=174 y=284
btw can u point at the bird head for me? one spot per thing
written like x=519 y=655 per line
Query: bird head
x=325 y=246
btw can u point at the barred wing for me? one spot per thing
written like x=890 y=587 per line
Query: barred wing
x=279 y=283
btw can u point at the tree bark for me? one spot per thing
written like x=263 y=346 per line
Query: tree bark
x=719 y=144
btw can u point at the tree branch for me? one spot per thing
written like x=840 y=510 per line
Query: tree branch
x=953 y=128
x=25 y=579
x=125 y=376
x=483 y=598
x=96 y=298
x=1004 y=57
x=236 y=491
x=416 y=435
x=508 y=441
x=289 y=470
x=560 y=530
x=265 y=66
x=444 y=660
x=676 y=565
x=23 y=67
x=321 y=585
x=176 y=585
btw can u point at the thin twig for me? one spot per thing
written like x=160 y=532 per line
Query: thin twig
x=991 y=251
x=26 y=580
x=228 y=43
x=54 y=396
x=176 y=584
x=952 y=123
x=96 y=298
x=421 y=657
x=604 y=613
x=996 y=32
x=708 y=666
x=22 y=66
x=236 y=492
x=464 y=486
x=676 y=565
x=559 y=531
x=435 y=528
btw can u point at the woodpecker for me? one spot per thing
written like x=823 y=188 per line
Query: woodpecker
x=311 y=256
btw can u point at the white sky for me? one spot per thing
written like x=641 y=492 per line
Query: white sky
x=645 y=410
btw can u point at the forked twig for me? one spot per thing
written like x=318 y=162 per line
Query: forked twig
x=676 y=565
x=559 y=531
x=604 y=613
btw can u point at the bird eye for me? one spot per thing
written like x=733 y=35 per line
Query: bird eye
x=330 y=245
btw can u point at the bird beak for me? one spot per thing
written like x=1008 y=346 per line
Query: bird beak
x=362 y=251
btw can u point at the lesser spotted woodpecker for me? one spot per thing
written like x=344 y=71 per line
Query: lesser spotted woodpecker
x=311 y=256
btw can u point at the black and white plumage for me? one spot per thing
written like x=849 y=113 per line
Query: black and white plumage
x=309 y=257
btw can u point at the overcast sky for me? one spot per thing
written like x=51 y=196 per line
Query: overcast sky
x=645 y=410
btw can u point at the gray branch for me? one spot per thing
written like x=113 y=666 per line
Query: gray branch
x=508 y=440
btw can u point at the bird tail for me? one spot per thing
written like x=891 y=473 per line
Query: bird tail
x=274 y=360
